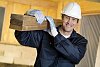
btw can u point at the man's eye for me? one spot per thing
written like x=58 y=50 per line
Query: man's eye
x=67 y=17
x=74 y=19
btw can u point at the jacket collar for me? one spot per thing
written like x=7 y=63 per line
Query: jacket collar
x=74 y=34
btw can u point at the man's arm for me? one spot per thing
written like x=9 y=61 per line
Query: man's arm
x=29 y=38
x=73 y=52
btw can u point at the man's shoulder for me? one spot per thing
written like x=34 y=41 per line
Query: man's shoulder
x=81 y=37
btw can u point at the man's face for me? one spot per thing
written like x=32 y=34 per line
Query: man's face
x=69 y=23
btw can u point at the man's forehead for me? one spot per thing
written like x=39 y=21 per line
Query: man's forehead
x=69 y=16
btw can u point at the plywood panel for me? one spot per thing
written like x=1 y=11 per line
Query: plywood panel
x=52 y=13
x=43 y=3
x=3 y=3
x=90 y=7
x=20 y=8
x=59 y=9
x=44 y=10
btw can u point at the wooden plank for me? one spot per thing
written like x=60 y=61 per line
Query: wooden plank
x=25 y=23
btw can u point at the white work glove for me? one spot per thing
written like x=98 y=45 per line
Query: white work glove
x=52 y=25
x=38 y=14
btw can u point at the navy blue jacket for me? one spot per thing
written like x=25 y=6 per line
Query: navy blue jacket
x=54 y=51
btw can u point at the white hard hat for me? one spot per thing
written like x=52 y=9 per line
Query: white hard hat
x=73 y=10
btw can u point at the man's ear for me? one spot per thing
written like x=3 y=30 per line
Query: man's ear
x=77 y=20
x=62 y=16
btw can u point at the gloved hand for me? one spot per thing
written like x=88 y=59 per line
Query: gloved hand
x=52 y=25
x=38 y=14
x=51 y=21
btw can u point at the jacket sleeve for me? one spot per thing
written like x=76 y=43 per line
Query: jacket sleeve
x=29 y=38
x=73 y=52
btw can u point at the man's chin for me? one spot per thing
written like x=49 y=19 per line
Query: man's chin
x=68 y=30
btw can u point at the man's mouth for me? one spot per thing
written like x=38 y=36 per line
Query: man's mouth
x=68 y=25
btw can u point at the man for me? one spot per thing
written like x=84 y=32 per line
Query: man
x=61 y=46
